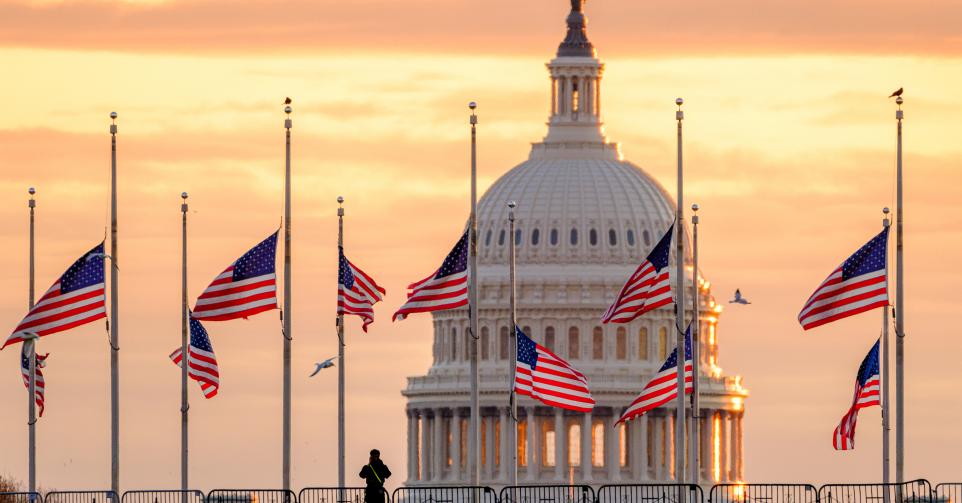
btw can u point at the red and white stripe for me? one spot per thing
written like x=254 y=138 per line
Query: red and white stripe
x=435 y=294
x=201 y=367
x=360 y=298
x=844 y=437
x=56 y=312
x=662 y=389
x=226 y=299
x=39 y=385
x=645 y=290
x=554 y=382
x=836 y=298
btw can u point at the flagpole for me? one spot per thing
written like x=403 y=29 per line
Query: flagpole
x=474 y=431
x=286 y=470
x=31 y=350
x=694 y=444
x=680 y=311
x=514 y=346
x=899 y=313
x=184 y=348
x=340 y=359
x=885 y=372
x=114 y=318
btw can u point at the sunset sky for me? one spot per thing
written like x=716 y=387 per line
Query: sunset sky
x=790 y=152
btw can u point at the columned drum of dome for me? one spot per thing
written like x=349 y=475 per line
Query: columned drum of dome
x=585 y=218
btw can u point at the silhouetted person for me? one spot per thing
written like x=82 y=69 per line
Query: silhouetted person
x=375 y=472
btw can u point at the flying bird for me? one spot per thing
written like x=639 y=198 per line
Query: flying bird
x=896 y=93
x=287 y=101
x=323 y=365
x=738 y=298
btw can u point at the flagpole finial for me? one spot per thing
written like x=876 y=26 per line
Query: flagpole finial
x=340 y=200
x=31 y=191
x=899 y=101
x=183 y=195
x=288 y=110
x=679 y=115
x=113 y=116
x=694 y=207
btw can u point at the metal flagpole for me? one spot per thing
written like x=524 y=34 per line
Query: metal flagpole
x=514 y=346
x=693 y=443
x=184 y=348
x=114 y=318
x=899 y=313
x=340 y=360
x=474 y=431
x=31 y=351
x=885 y=371
x=286 y=470
x=680 y=312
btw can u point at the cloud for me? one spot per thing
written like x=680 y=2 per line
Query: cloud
x=501 y=27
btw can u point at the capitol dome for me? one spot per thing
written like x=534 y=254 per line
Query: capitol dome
x=585 y=219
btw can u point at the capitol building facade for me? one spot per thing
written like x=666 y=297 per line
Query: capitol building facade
x=585 y=219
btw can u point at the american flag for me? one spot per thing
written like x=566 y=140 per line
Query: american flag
x=201 y=362
x=546 y=377
x=446 y=288
x=867 y=385
x=245 y=288
x=663 y=386
x=25 y=372
x=77 y=298
x=648 y=288
x=356 y=292
x=858 y=285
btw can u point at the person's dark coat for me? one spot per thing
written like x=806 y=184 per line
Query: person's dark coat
x=375 y=474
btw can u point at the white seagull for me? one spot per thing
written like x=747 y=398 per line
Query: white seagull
x=738 y=298
x=323 y=365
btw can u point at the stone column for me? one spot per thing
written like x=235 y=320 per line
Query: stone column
x=425 y=456
x=505 y=461
x=412 y=445
x=488 y=472
x=456 y=445
x=706 y=444
x=554 y=95
x=655 y=421
x=741 y=447
x=613 y=448
x=438 y=441
x=639 y=461
x=534 y=446
x=586 y=466
x=670 y=444
x=560 y=446
x=723 y=445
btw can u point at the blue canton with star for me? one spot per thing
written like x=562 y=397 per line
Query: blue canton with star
x=258 y=261
x=198 y=337
x=456 y=261
x=672 y=360
x=659 y=254
x=869 y=258
x=344 y=275
x=87 y=271
x=527 y=349
x=869 y=366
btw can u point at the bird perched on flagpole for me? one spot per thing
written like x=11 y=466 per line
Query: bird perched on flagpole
x=326 y=364
x=287 y=101
x=896 y=93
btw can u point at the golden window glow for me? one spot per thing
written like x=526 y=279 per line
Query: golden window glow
x=716 y=448
x=523 y=443
x=574 y=445
x=598 y=444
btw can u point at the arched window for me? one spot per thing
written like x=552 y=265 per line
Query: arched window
x=643 y=344
x=663 y=343
x=454 y=344
x=598 y=444
x=517 y=237
x=549 y=338
x=574 y=237
x=646 y=237
x=485 y=353
x=621 y=344
x=574 y=445
x=505 y=348
x=574 y=343
x=593 y=237
x=535 y=237
x=487 y=238
x=598 y=344
x=612 y=237
x=630 y=237
x=501 y=238
x=553 y=237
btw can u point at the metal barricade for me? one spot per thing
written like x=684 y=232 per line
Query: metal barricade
x=651 y=493
x=163 y=496
x=336 y=495
x=251 y=496
x=81 y=497
x=948 y=492
x=915 y=491
x=20 y=497
x=548 y=494
x=763 y=493
x=459 y=494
